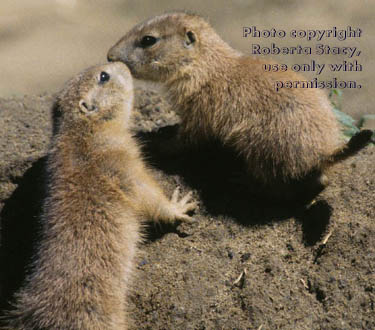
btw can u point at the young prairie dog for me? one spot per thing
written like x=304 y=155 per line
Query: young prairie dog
x=224 y=95
x=99 y=191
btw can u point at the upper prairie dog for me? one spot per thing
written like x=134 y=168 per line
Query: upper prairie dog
x=224 y=95
x=99 y=190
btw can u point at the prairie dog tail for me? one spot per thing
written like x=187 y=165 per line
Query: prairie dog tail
x=355 y=144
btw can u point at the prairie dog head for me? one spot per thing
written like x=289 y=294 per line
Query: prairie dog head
x=169 y=45
x=99 y=93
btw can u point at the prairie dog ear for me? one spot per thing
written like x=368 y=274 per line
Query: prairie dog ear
x=86 y=107
x=190 y=38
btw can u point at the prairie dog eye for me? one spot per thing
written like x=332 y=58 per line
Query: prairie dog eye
x=148 y=41
x=104 y=76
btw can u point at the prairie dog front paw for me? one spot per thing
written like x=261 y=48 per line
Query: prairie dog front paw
x=179 y=208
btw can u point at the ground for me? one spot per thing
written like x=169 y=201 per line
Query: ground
x=245 y=263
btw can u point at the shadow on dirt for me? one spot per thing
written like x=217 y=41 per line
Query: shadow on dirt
x=215 y=172
x=315 y=221
x=19 y=227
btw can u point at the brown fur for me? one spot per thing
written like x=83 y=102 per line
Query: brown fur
x=224 y=95
x=99 y=191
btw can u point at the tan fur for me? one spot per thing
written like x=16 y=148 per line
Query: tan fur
x=224 y=95
x=99 y=192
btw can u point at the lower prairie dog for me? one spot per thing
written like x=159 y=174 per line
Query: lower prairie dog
x=99 y=190
x=224 y=95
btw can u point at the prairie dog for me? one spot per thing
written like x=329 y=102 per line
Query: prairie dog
x=99 y=191
x=224 y=95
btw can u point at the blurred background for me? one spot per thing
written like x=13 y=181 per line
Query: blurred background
x=45 y=42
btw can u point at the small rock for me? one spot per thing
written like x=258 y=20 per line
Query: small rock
x=245 y=257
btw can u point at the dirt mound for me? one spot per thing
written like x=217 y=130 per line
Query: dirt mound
x=245 y=263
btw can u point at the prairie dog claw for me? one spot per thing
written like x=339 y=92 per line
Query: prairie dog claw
x=182 y=206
